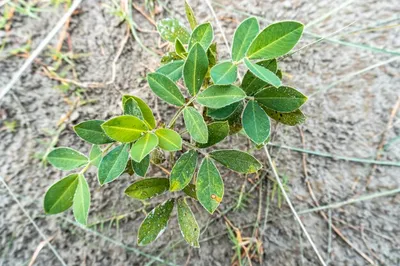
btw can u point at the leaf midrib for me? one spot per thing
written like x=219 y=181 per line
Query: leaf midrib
x=62 y=194
x=271 y=43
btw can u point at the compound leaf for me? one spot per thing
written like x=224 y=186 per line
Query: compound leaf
x=195 y=125
x=218 y=96
x=256 y=123
x=147 y=188
x=143 y=146
x=244 y=35
x=195 y=69
x=146 y=111
x=172 y=70
x=202 y=34
x=172 y=29
x=124 y=128
x=224 y=73
x=236 y=160
x=165 y=88
x=183 y=170
x=155 y=223
x=113 y=164
x=66 y=158
x=187 y=223
x=81 y=201
x=282 y=99
x=92 y=132
x=169 y=140
x=263 y=73
x=275 y=40
x=209 y=185
x=217 y=132
x=59 y=197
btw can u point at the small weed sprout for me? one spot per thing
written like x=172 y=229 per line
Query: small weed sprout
x=214 y=104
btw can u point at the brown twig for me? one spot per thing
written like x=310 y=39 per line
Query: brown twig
x=383 y=139
x=38 y=249
x=323 y=214
x=120 y=50
x=63 y=34
x=144 y=14
x=91 y=85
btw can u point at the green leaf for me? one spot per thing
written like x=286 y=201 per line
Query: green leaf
x=195 y=125
x=155 y=223
x=165 y=88
x=141 y=168
x=218 y=96
x=212 y=55
x=172 y=70
x=183 y=170
x=190 y=190
x=202 y=34
x=169 y=57
x=236 y=160
x=147 y=188
x=235 y=120
x=291 y=119
x=124 y=128
x=113 y=164
x=81 y=201
x=187 y=223
x=95 y=155
x=209 y=185
x=251 y=84
x=169 y=140
x=195 y=69
x=224 y=112
x=190 y=16
x=146 y=111
x=244 y=35
x=131 y=107
x=66 y=158
x=282 y=99
x=143 y=146
x=275 y=40
x=217 y=132
x=279 y=74
x=59 y=197
x=172 y=29
x=180 y=49
x=263 y=73
x=256 y=123
x=224 y=73
x=92 y=132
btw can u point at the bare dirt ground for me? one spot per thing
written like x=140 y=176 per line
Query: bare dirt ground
x=350 y=113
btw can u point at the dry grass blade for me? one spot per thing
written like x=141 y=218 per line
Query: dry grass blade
x=278 y=180
x=39 y=49
x=38 y=249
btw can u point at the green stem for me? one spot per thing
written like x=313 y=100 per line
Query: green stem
x=180 y=110
x=90 y=162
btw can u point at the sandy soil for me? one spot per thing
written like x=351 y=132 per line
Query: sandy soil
x=346 y=117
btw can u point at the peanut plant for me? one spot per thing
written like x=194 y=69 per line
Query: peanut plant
x=214 y=104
